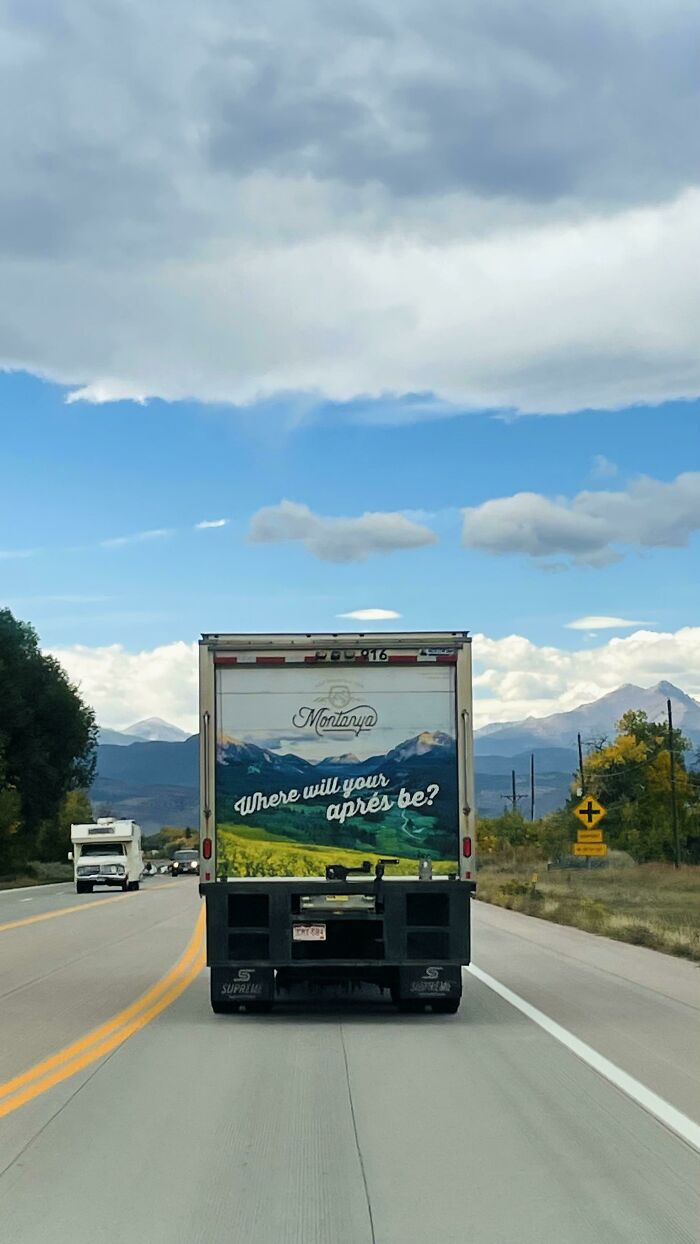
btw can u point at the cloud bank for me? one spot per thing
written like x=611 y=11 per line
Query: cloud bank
x=513 y=677
x=496 y=207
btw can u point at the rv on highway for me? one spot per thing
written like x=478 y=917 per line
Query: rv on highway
x=337 y=815
x=106 y=853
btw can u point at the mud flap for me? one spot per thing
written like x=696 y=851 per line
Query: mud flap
x=232 y=984
x=438 y=981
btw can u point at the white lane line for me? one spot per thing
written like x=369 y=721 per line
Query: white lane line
x=17 y=889
x=665 y=1113
x=26 y=900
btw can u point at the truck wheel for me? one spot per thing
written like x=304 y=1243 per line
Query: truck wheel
x=446 y=1006
x=80 y=887
x=125 y=886
x=222 y=1008
x=406 y=1006
x=134 y=885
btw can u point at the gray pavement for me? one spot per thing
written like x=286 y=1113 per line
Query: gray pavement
x=638 y=1008
x=345 y=1124
x=61 y=977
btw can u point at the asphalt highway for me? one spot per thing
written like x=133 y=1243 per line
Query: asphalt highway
x=129 y=1112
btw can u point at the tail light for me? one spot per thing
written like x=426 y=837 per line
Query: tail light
x=466 y=848
x=206 y=848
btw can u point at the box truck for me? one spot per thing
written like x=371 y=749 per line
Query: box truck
x=106 y=852
x=337 y=815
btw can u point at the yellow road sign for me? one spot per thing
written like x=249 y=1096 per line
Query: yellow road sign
x=589 y=835
x=589 y=811
x=590 y=848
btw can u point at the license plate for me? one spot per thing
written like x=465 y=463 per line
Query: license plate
x=309 y=933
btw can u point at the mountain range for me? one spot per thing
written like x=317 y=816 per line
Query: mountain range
x=155 y=779
x=150 y=730
x=593 y=721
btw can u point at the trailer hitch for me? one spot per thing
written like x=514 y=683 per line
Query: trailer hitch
x=341 y=872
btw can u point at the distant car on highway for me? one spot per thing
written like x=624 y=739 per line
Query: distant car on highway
x=184 y=862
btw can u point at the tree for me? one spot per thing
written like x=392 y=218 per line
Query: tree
x=632 y=779
x=47 y=733
x=53 y=839
x=9 y=825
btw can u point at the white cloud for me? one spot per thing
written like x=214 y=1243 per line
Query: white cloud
x=371 y=615
x=513 y=677
x=589 y=528
x=139 y=537
x=603 y=623
x=124 y=687
x=354 y=200
x=12 y=554
x=208 y=523
x=102 y=392
x=337 y=539
x=603 y=468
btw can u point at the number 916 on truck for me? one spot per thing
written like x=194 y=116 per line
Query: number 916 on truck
x=337 y=815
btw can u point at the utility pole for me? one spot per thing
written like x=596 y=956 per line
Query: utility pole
x=583 y=782
x=674 y=809
x=532 y=786
x=512 y=799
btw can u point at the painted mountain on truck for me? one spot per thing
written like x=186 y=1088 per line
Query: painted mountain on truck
x=253 y=788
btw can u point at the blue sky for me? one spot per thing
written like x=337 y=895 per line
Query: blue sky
x=75 y=475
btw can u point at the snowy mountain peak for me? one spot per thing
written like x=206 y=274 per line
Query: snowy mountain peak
x=595 y=720
x=155 y=730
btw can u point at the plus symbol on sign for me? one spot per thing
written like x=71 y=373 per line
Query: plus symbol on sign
x=590 y=812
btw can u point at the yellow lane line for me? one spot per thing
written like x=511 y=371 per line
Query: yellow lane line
x=68 y=1061
x=75 y=1048
x=67 y=911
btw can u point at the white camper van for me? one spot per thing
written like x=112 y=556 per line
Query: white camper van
x=107 y=852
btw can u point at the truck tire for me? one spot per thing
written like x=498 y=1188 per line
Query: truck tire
x=240 y=1008
x=405 y=1006
x=125 y=886
x=446 y=1006
x=81 y=887
x=134 y=885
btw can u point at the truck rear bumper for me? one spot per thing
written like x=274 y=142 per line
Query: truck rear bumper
x=423 y=982
x=412 y=938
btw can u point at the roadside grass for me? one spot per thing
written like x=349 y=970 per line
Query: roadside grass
x=36 y=873
x=653 y=905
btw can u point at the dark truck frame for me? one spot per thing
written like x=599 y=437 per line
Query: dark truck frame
x=407 y=935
